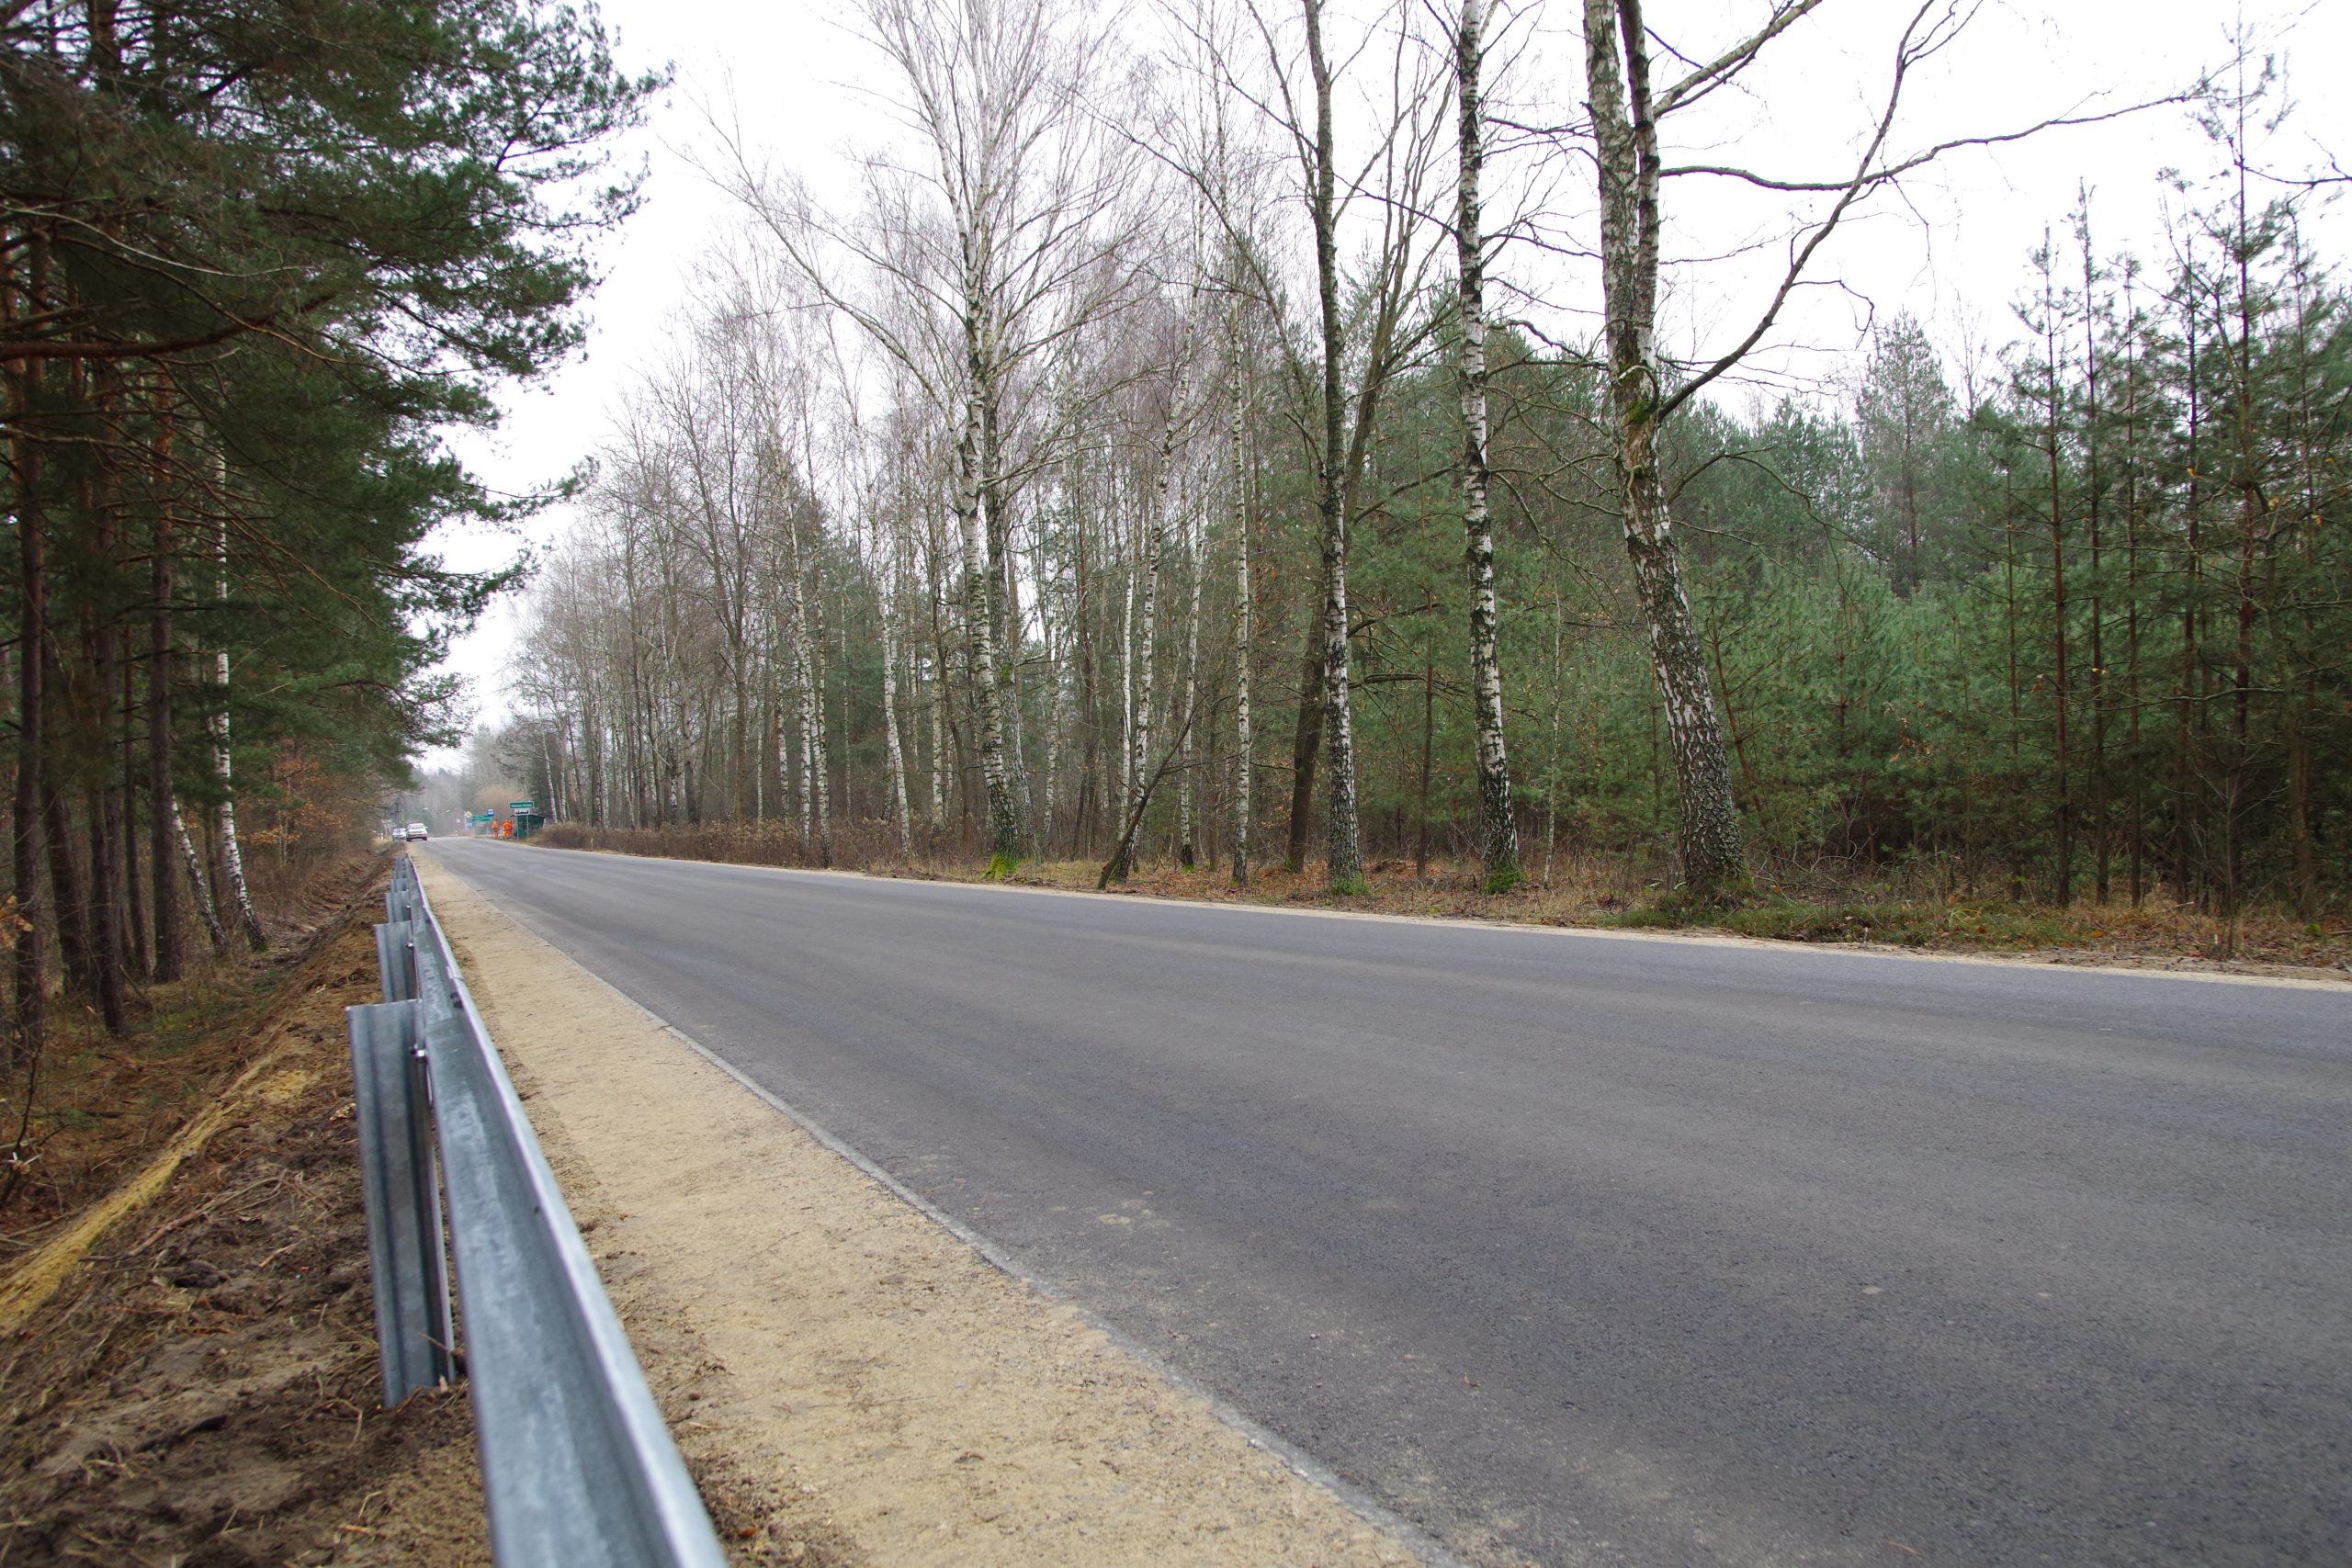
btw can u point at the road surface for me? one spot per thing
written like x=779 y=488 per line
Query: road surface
x=1596 y=1250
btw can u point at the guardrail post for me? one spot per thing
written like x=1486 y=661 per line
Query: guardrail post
x=396 y=959
x=405 y=1249
x=400 y=895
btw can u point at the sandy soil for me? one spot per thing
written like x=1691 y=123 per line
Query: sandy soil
x=852 y=1382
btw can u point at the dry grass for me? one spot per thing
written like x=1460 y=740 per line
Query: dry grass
x=102 y=1107
x=197 y=1383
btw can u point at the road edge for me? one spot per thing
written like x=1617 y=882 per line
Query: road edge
x=1474 y=922
x=1425 y=1548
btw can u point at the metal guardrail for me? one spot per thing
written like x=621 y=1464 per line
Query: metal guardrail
x=578 y=1469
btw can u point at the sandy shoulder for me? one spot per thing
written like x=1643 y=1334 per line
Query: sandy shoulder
x=855 y=1382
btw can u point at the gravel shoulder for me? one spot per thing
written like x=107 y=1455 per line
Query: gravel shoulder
x=856 y=1385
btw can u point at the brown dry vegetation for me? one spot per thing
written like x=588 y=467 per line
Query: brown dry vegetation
x=187 y=1355
x=101 y=1107
x=195 y=1382
x=1812 y=905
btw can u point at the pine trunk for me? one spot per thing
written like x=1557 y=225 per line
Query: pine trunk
x=103 y=816
x=170 y=950
x=27 y=968
x=66 y=882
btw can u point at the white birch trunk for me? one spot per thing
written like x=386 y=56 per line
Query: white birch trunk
x=1244 y=616
x=1155 y=541
x=809 y=649
x=938 y=746
x=1128 y=683
x=812 y=757
x=938 y=693
x=232 y=860
x=902 y=810
x=217 y=933
x=801 y=707
x=981 y=603
x=1497 y=831
x=1047 y=804
x=1146 y=632
x=1343 y=835
x=1626 y=157
x=1017 y=728
x=976 y=503
x=1185 y=852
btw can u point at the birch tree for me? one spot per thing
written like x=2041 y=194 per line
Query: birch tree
x=1025 y=186
x=1162 y=520
x=1341 y=412
x=1498 y=829
x=229 y=876
x=1646 y=387
x=1244 y=610
x=1860 y=566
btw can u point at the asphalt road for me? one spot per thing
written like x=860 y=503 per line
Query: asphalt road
x=1605 y=1250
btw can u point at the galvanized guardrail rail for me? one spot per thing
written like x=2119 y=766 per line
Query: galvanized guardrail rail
x=578 y=1470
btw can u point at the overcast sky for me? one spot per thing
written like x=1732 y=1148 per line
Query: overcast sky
x=801 y=88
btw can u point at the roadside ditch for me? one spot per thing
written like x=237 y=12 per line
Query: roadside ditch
x=187 y=1369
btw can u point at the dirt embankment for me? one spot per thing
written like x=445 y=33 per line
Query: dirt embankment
x=858 y=1385
x=187 y=1366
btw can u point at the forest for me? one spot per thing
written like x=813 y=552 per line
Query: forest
x=1212 y=483
x=256 y=262
x=1264 y=443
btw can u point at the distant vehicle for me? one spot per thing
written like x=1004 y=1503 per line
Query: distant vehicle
x=416 y=830
x=398 y=833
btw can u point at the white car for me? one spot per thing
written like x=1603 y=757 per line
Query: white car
x=416 y=832
x=399 y=834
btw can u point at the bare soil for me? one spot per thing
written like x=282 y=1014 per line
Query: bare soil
x=187 y=1363
x=863 y=1385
